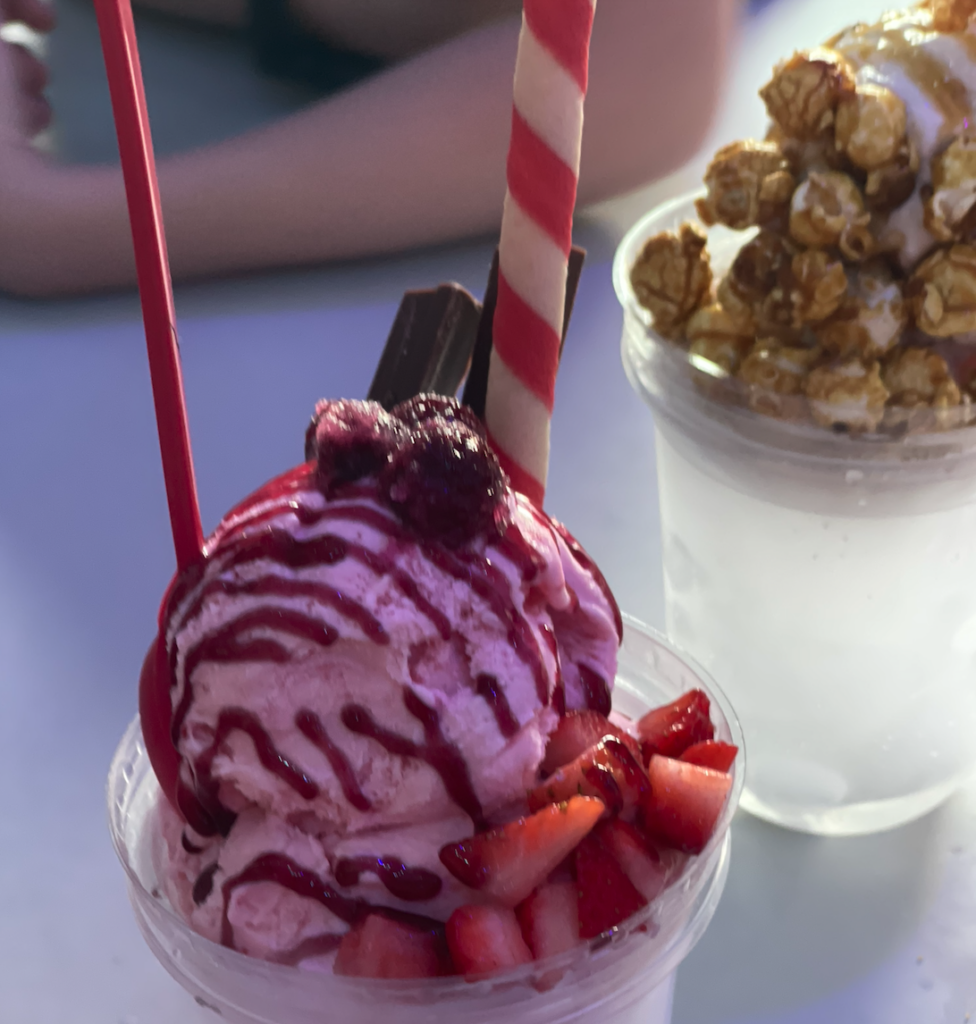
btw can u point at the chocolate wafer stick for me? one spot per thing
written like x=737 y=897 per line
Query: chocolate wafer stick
x=429 y=346
x=476 y=386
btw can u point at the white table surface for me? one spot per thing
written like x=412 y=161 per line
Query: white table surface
x=879 y=930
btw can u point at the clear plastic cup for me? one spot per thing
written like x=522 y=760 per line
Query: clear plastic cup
x=826 y=580
x=624 y=978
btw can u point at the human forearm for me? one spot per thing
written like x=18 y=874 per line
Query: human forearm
x=413 y=157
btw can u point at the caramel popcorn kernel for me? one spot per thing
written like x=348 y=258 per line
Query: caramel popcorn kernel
x=850 y=394
x=870 y=126
x=819 y=285
x=919 y=376
x=890 y=185
x=871 y=319
x=953 y=188
x=804 y=92
x=774 y=374
x=827 y=209
x=672 y=277
x=951 y=15
x=759 y=266
x=748 y=183
x=942 y=292
x=716 y=336
x=737 y=308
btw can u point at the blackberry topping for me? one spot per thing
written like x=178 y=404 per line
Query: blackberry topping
x=420 y=409
x=446 y=483
x=351 y=440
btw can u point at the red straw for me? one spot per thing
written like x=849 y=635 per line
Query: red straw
x=152 y=270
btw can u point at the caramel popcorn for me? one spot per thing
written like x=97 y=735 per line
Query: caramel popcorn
x=672 y=278
x=827 y=209
x=920 y=381
x=819 y=285
x=804 y=92
x=736 y=307
x=919 y=376
x=848 y=395
x=953 y=189
x=951 y=15
x=775 y=374
x=761 y=278
x=748 y=183
x=942 y=292
x=871 y=319
x=718 y=337
x=870 y=126
x=888 y=186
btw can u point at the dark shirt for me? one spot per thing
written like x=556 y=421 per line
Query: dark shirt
x=284 y=49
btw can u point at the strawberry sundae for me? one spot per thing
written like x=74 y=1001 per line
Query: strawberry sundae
x=383 y=718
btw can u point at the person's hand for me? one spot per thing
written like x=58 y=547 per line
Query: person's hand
x=22 y=92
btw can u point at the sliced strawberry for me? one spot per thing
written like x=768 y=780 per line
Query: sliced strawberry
x=684 y=803
x=485 y=938
x=640 y=858
x=578 y=731
x=508 y=862
x=608 y=771
x=605 y=895
x=381 y=948
x=671 y=729
x=711 y=754
x=550 y=919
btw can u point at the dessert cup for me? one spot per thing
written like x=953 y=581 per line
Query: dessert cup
x=624 y=978
x=824 y=579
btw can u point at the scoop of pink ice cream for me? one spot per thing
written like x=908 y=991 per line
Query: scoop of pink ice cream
x=366 y=666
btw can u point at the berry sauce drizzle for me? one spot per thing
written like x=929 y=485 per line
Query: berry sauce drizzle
x=494 y=696
x=409 y=884
x=202 y=807
x=596 y=690
x=203 y=886
x=310 y=725
x=283 y=871
x=442 y=756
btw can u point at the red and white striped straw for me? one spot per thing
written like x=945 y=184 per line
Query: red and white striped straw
x=537 y=235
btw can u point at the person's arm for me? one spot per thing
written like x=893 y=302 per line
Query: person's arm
x=412 y=157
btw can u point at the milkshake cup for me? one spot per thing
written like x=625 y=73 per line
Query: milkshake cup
x=624 y=977
x=824 y=577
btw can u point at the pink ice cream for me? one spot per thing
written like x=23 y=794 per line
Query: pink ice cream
x=366 y=667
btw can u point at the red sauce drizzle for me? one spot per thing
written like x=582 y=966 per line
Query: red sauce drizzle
x=588 y=565
x=442 y=756
x=408 y=884
x=228 y=645
x=490 y=691
x=283 y=871
x=490 y=584
x=596 y=692
x=311 y=726
x=203 y=886
x=202 y=807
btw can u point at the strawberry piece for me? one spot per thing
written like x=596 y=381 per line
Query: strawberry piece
x=485 y=938
x=641 y=860
x=671 y=729
x=508 y=862
x=711 y=754
x=608 y=771
x=684 y=803
x=382 y=948
x=550 y=919
x=605 y=895
x=578 y=731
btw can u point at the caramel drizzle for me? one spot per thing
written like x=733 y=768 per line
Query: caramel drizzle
x=879 y=44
